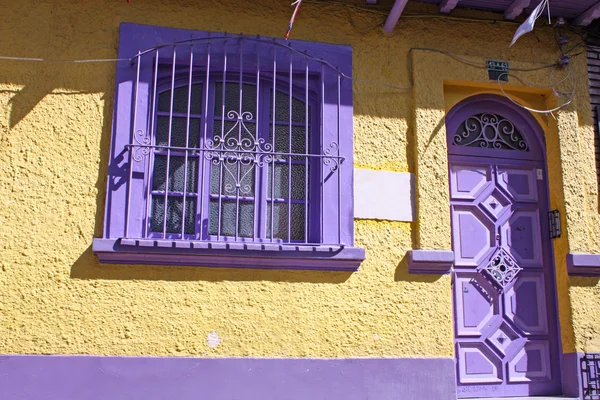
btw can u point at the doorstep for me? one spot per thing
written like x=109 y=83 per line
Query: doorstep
x=525 y=398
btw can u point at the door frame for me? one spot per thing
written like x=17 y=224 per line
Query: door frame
x=535 y=157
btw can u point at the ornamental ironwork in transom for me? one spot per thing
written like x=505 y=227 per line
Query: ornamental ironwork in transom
x=490 y=131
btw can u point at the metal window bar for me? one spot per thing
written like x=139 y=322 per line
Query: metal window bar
x=273 y=140
x=328 y=154
x=307 y=150
x=164 y=231
x=289 y=185
x=222 y=139
x=339 y=165
x=238 y=166
x=256 y=221
x=153 y=117
x=187 y=143
x=202 y=161
x=322 y=146
x=590 y=374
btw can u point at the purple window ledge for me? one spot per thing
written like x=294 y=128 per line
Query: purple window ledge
x=430 y=261
x=233 y=255
x=583 y=264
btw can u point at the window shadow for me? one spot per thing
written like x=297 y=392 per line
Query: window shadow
x=87 y=267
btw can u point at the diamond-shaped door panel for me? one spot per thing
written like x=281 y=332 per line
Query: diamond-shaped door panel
x=495 y=203
x=521 y=184
x=522 y=234
x=505 y=339
x=468 y=181
x=473 y=235
x=478 y=364
x=525 y=304
x=531 y=363
x=477 y=306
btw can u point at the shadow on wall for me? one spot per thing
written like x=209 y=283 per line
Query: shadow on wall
x=581 y=281
x=87 y=267
x=402 y=274
x=39 y=80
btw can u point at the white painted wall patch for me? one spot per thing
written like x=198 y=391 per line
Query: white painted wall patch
x=384 y=195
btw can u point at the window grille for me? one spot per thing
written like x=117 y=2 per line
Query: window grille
x=590 y=374
x=235 y=139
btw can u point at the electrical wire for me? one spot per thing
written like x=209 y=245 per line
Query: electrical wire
x=36 y=59
x=548 y=111
x=472 y=63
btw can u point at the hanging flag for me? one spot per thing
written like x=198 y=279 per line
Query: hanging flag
x=289 y=29
x=529 y=23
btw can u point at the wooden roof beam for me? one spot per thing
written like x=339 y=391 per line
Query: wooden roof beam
x=447 y=5
x=588 y=16
x=516 y=8
x=394 y=15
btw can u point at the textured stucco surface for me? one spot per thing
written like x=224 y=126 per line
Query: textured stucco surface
x=55 y=124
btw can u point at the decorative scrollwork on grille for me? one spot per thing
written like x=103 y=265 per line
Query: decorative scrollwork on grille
x=143 y=140
x=239 y=147
x=490 y=131
x=233 y=151
x=328 y=156
x=502 y=269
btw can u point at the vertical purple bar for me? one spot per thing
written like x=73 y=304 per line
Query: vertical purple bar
x=339 y=161
x=202 y=161
x=273 y=139
x=187 y=142
x=289 y=196
x=322 y=166
x=255 y=220
x=221 y=141
x=164 y=233
x=306 y=150
x=239 y=164
x=131 y=148
x=152 y=133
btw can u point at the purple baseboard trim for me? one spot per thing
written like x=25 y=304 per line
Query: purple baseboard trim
x=149 y=378
x=580 y=264
x=223 y=255
x=571 y=375
x=430 y=261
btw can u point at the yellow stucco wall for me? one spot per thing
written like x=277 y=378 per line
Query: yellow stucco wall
x=55 y=122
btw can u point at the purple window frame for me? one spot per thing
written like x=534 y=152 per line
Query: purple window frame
x=123 y=240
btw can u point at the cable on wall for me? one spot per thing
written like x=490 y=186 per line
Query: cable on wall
x=466 y=61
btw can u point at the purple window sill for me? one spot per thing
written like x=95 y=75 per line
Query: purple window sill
x=430 y=261
x=583 y=264
x=233 y=255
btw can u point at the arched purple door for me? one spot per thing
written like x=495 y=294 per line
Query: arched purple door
x=506 y=340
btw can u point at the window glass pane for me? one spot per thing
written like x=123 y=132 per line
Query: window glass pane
x=282 y=108
x=282 y=140
x=281 y=181
x=232 y=98
x=176 y=173
x=228 y=218
x=178 y=132
x=230 y=177
x=180 y=99
x=281 y=220
x=174 y=214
